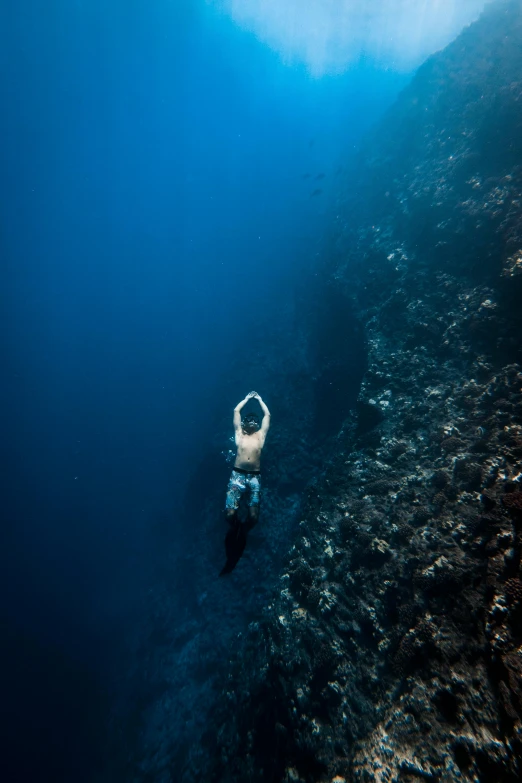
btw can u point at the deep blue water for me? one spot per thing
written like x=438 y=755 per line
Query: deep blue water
x=154 y=211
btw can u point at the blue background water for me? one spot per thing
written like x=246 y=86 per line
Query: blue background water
x=154 y=212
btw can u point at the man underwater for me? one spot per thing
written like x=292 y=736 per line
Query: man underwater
x=246 y=478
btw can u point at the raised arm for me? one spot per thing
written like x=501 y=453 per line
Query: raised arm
x=265 y=424
x=237 y=411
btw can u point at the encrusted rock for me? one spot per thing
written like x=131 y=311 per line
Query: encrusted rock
x=440 y=478
x=513 y=502
x=513 y=588
x=452 y=444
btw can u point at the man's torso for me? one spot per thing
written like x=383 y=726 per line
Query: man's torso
x=249 y=449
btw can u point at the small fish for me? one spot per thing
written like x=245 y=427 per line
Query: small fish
x=316 y=192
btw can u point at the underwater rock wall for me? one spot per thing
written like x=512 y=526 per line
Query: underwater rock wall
x=394 y=650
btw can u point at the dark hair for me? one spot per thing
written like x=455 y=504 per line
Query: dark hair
x=250 y=422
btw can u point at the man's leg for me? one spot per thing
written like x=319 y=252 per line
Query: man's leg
x=253 y=505
x=235 y=539
x=234 y=491
x=231 y=514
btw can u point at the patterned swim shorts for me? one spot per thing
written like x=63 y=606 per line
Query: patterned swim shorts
x=239 y=483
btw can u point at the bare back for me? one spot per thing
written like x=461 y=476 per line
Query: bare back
x=249 y=449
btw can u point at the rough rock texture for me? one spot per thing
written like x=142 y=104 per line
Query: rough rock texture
x=393 y=651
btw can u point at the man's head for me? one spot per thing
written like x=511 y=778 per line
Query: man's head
x=250 y=424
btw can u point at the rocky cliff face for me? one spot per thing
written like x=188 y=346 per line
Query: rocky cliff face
x=393 y=651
